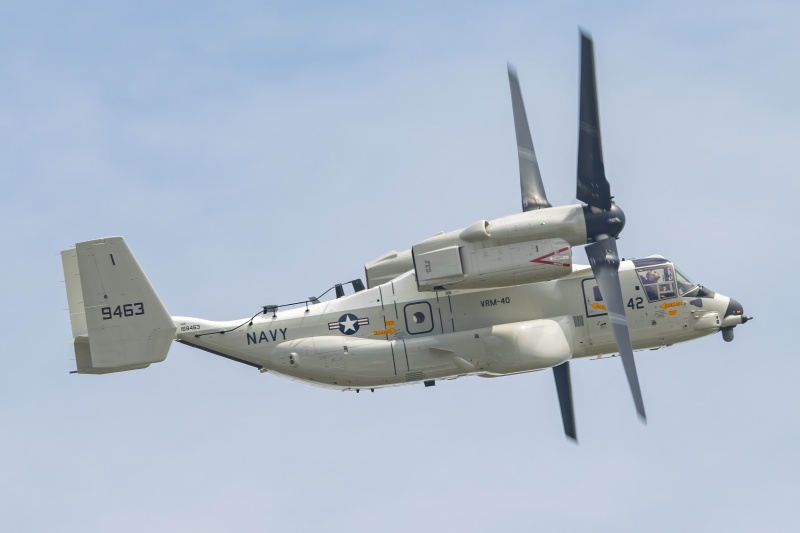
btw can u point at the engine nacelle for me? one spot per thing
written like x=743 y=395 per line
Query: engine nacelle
x=522 y=248
x=472 y=265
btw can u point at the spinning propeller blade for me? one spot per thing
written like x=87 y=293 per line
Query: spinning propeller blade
x=593 y=189
x=564 y=389
x=605 y=265
x=534 y=197
x=604 y=220
x=530 y=179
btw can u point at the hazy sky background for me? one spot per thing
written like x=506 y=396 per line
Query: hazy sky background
x=255 y=153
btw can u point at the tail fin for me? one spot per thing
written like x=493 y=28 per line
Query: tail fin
x=118 y=321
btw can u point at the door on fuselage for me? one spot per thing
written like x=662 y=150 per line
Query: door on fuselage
x=597 y=320
x=659 y=311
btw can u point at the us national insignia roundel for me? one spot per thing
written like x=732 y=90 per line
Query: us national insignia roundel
x=348 y=323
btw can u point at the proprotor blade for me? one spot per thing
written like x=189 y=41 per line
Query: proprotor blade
x=605 y=265
x=530 y=179
x=564 y=389
x=593 y=187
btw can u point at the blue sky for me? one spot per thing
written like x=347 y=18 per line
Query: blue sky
x=255 y=153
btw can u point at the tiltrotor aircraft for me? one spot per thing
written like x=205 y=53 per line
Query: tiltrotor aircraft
x=494 y=298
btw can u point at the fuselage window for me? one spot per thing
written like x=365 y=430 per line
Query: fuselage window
x=597 y=296
x=658 y=282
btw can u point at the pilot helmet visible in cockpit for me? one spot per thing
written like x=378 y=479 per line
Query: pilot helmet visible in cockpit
x=651 y=277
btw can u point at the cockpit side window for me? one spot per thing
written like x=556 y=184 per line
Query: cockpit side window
x=658 y=282
x=685 y=285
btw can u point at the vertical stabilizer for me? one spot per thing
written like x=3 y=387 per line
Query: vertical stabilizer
x=118 y=321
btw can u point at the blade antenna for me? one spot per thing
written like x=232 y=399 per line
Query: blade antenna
x=530 y=179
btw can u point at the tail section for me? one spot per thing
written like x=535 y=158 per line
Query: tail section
x=118 y=321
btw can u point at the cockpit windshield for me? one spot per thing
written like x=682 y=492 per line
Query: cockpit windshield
x=685 y=284
x=663 y=281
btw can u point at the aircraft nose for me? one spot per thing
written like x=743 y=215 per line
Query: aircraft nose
x=734 y=308
x=734 y=315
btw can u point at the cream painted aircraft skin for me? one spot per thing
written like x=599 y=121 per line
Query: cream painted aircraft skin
x=494 y=298
x=393 y=334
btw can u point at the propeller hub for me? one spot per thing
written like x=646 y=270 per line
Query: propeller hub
x=600 y=222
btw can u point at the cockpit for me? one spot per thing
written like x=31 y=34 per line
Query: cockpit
x=662 y=280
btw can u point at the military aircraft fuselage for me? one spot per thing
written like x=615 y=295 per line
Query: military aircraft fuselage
x=489 y=299
x=394 y=334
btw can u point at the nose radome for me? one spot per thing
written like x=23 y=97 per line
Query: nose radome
x=734 y=308
x=734 y=315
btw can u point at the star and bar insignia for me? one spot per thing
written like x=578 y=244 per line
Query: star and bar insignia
x=348 y=324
